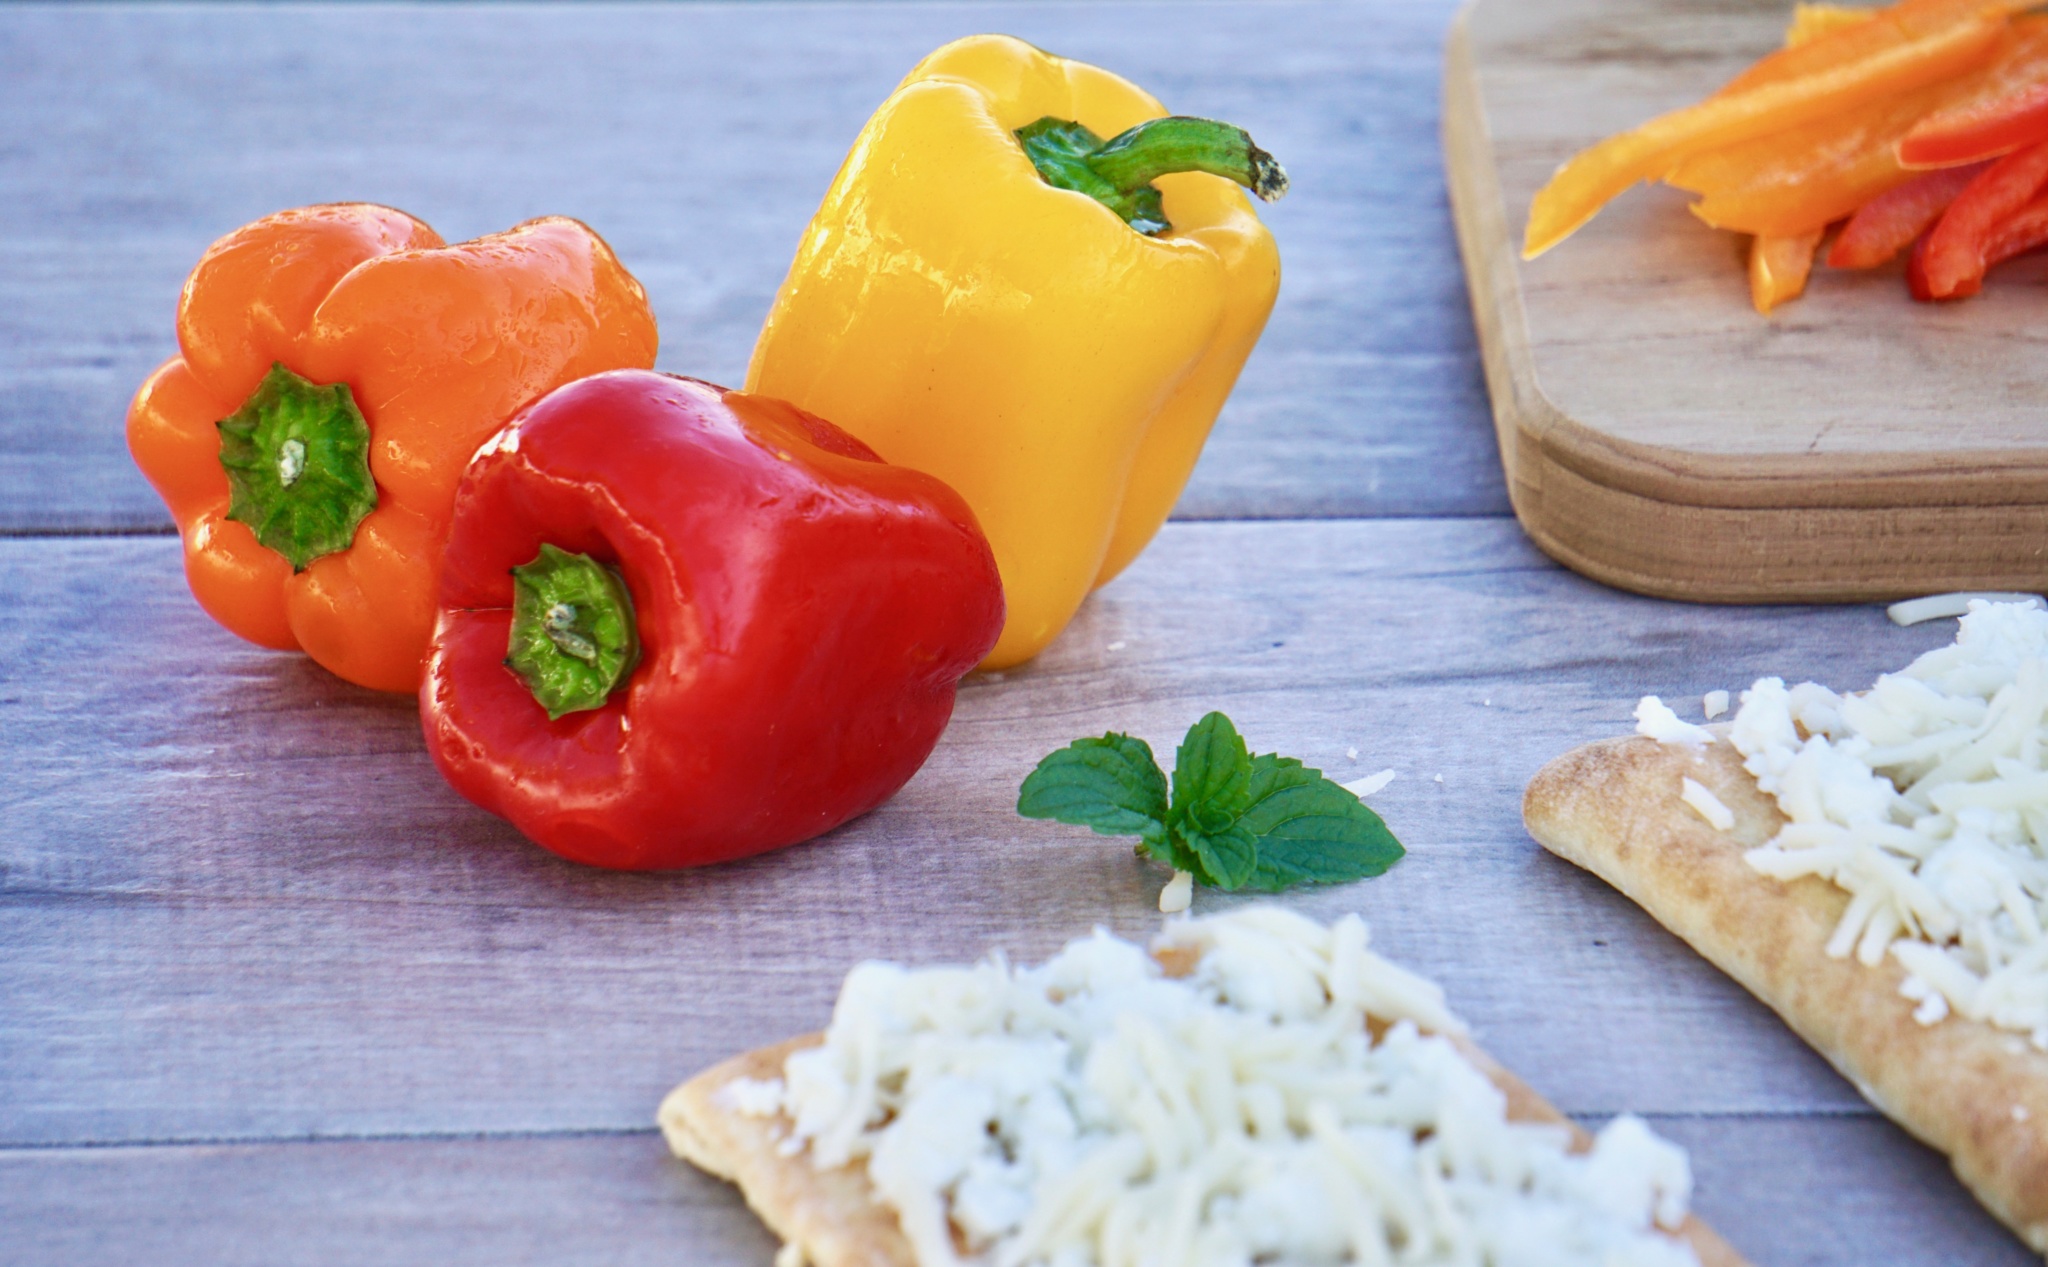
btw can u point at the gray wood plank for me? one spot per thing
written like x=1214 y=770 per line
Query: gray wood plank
x=698 y=139
x=1789 y=1192
x=236 y=902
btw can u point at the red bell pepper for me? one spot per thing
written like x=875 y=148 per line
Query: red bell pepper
x=680 y=624
x=1888 y=223
x=1952 y=259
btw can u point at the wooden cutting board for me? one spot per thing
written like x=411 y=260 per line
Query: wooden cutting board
x=1661 y=436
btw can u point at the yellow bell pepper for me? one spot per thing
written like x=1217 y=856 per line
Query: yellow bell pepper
x=1056 y=353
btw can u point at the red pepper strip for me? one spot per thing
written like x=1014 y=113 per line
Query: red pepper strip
x=1888 y=223
x=2005 y=108
x=1956 y=253
x=2027 y=230
x=731 y=626
x=1979 y=131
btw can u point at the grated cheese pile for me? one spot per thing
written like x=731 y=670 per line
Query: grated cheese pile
x=1926 y=799
x=1093 y=1112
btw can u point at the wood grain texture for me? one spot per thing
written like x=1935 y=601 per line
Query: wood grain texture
x=1790 y=1192
x=698 y=139
x=238 y=903
x=1660 y=435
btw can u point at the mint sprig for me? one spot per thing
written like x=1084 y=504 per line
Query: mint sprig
x=1234 y=820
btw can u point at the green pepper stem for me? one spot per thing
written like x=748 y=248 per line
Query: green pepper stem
x=1119 y=174
x=1177 y=143
x=573 y=639
x=296 y=455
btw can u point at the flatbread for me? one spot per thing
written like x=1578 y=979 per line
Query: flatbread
x=1977 y=1093
x=833 y=1216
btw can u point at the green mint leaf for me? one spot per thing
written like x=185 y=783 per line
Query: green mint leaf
x=1228 y=858
x=1210 y=774
x=1111 y=784
x=1309 y=829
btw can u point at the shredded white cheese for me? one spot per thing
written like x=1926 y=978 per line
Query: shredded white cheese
x=1655 y=719
x=1178 y=894
x=1708 y=806
x=1714 y=703
x=1936 y=606
x=1094 y=1112
x=1926 y=798
x=1362 y=788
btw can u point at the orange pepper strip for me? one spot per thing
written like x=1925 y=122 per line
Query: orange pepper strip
x=1810 y=176
x=1812 y=21
x=1595 y=176
x=1850 y=42
x=1779 y=267
x=438 y=345
x=1806 y=178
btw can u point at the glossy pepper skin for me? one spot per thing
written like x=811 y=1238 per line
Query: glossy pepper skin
x=438 y=346
x=804 y=612
x=1017 y=340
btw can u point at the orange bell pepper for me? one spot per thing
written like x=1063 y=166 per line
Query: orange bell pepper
x=1824 y=86
x=338 y=366
x=1779 y=267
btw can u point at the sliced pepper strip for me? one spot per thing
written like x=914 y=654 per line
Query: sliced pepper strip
x=1812 y=21
x=1779 y=267
x=1595 y=176
x=1970 y=133
x=1888 y=223
x=2024 y=230
x=2004 y=107
x=1797 y=181
x=1959 y=249
x=1851 y=42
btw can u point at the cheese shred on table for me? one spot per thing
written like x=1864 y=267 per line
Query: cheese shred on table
x=1097 y=1112
x=1927 y=800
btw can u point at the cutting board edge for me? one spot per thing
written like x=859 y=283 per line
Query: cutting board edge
x=1713 y=528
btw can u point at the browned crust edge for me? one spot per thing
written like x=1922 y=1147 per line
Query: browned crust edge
x=836 y=1220
x=1976 y=1093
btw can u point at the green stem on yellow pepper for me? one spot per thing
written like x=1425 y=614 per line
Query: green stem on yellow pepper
x=1119 y=173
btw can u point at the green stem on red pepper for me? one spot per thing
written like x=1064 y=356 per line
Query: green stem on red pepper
x=573 y=638
x=298 y=466
x=1119 y=173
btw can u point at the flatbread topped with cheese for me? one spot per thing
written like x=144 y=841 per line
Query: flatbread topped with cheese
x=1257 y=1088
x=1871 y=867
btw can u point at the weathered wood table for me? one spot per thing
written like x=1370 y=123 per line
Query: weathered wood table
x=270 y=993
